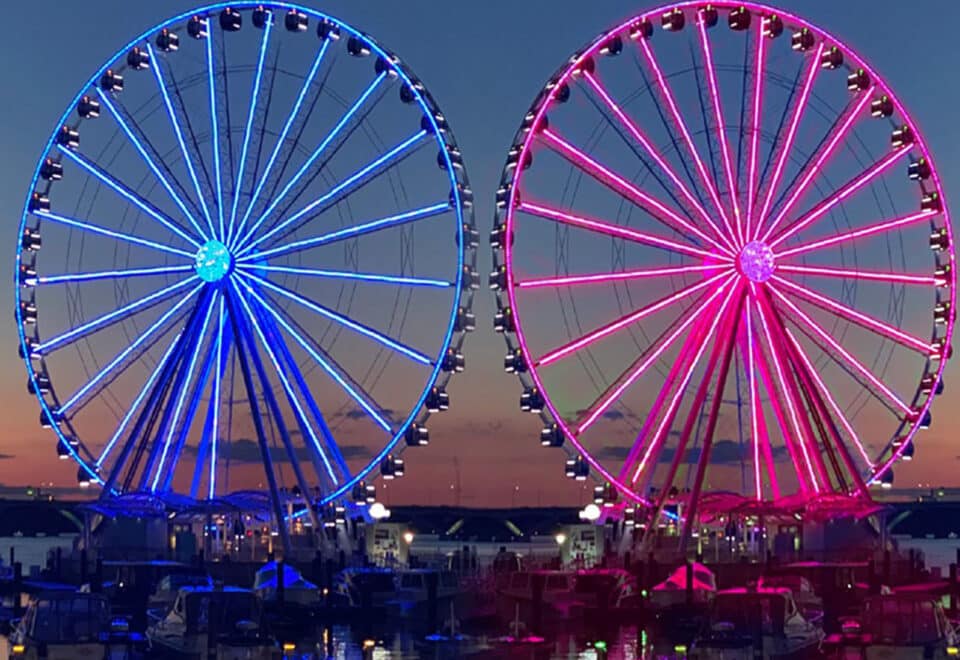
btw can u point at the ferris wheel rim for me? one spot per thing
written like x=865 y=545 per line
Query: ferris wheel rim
x=528 y=134
x=442 y=135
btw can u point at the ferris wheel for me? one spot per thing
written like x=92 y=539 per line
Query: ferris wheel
x=246 y=262
x=724 y=265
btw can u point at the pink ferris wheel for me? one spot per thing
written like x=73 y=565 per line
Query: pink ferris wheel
x=724 y=265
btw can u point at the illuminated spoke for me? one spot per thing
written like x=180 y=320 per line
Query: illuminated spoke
x=867 y=275
x=324 y=362
x=659 y=347
x=757 y=434
x=808 y=443
x=855 y=234
x=620 y=276
x=137 y=401
x=112 y=317
x=825 y=391
x=661 y=162
x=784 y=151
x=359 y=328
x=73 y=278
x=757 y=120
x=374 y=168
x=823 y=208
x=282 y=138
x=288 y=389
x=103 y=231
x=128 y=194
x=215 y=422
x=354 y=231
x=671 y=103
x=135 y=141
x=254 y=96
x=617 y=231
x=349 y=275
x=184 y=390
x=721 y=132
x=849 y=314
x=125 y=353
x=817 y=166
x=215 y=127
x=660 y=434
x=630 y=192
x=835 y=345
x=625 y=321
x=241 y=240
x=175 y=123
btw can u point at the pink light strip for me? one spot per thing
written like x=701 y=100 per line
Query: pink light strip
x=757 y=108
x=854 y=362
x=821 y=209
x=857 y=233
x=754 y=397
x=708 y=182
x=854 y=316
x=788 y=440
x=721 y=131
x=653 y=357
x=619 y=324
x=787 y=147
x=617 y=231
x=679 y=366
x=802 y=438
x=625 y=188
x=817 y=166
x=876 y=276
x=661 y=162
x=668 y=416
x=833 y=404
x=600 y=278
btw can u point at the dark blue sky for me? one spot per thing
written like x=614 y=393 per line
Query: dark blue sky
x=483 y=61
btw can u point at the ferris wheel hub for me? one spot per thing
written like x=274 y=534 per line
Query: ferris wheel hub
x=757 y=262
x=213 y=261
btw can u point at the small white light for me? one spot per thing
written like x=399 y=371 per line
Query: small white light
x=560 y=538
x=378 y=511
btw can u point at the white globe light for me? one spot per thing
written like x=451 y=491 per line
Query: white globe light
x=591 y=512
x=378 y=511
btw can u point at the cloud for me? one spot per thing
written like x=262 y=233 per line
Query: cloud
x=4 y=457
x=360 y=413
x=613 y=414
x=246 y=450
x=724 y=452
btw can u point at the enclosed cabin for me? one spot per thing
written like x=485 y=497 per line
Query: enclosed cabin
x=747 y=612
x=365 y=587
x=810 y=604
x=905 y=621
x=222 y=611
x=169 y=586
x=78 y=623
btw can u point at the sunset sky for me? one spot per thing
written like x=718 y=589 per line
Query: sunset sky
x=483 y=61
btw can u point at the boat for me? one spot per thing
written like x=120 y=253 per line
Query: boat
x=674 y=590
x=291 y=602
x=604 y=592
x=516 y=600
x=412 y=597
x=810 y=604
x=756 y=623
x=201 y=619
x=900 y=625
x=72 y=626
x=169 y=587
x=366 y=588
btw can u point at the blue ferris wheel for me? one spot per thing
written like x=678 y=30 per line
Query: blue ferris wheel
x=246 y=262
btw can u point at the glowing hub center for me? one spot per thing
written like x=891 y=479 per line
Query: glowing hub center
x=213 y=261
x=756 y=261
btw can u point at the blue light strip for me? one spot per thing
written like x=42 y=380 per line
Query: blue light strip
x=80 y=331
x=283 y=134
x=128 y=194
x=216 y=405
x=115 y=362
x=349 y=275
x=136 y=402
x=384 y=424
x=351 y=232
x=309 y=163
x=414 y=355
x=155 y=66
x=80 y=224
x=105 y=97
x=215 y=124
x=254 y=95
x=301 y=416
x=340 y=187
x=183 y=391
x=106 y=275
